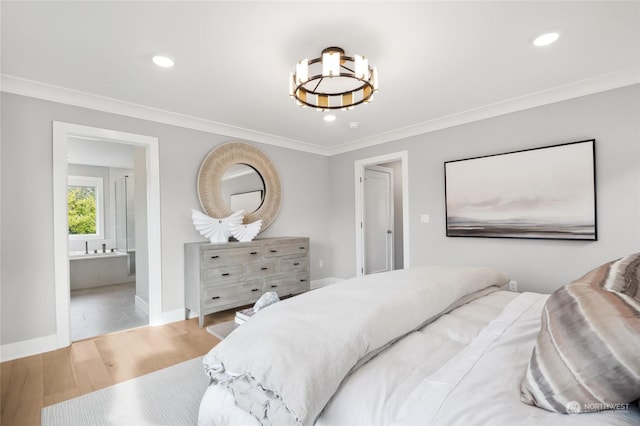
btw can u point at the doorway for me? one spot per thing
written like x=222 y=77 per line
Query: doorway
x=382 y=224
x=148 y=248
x=102 y=198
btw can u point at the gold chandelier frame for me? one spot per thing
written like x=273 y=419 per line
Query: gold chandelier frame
x=320 y=82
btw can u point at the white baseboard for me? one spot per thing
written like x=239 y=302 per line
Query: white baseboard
x=140 y=303
x=323 y=282
x=40 y=345
x=169 y=317
x=30 y=347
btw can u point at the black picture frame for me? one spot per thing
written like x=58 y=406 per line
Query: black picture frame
x=539 y=193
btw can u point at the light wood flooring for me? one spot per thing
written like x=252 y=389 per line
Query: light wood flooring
x=30 y=383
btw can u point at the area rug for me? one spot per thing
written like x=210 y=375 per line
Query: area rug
x=166 y=397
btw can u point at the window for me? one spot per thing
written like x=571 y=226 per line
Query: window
x=84 y=207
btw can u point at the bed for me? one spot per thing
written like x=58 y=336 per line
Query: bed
x=435 y=345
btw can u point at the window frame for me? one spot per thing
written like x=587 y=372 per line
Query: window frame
x=97 y=183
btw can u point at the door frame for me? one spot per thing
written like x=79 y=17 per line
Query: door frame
x=390 y=226
x=359 y=166
x=61 y=132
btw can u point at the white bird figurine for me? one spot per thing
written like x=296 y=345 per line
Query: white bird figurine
x=216 y=230
x=245 y=232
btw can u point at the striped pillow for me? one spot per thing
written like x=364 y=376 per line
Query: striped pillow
x=587 y=354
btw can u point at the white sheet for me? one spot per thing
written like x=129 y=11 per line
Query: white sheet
x=390 y=377
x=481 y=384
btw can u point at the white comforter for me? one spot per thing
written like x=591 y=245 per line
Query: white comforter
x=454 y=371
x=284 y=364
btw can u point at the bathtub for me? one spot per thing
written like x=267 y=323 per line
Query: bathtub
x=98 y=269
x=81 y=255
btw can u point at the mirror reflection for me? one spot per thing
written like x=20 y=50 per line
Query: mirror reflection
x=242 y=188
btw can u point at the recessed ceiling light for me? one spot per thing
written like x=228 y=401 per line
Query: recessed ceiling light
x=329 y=118
x=354 y=125
x=546 y=39
x=163 y=61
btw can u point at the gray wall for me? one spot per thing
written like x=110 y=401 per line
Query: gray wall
x=27 y=281
x=612 y=118
x=318 y=197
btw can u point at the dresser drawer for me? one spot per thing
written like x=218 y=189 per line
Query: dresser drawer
x=236 y=293
x=221 y=275
x=272 y=250
x=286 y=285
x=264 y=268
x=294 y=264
x=230 y=256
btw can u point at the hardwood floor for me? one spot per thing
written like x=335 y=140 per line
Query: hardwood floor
x=30 y=383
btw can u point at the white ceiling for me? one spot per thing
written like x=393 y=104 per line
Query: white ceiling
x=440 y=63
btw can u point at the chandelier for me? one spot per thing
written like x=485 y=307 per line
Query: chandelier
x=333 y=81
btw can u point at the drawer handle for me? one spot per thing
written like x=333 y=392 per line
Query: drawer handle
x=255 y=289
x=296 y=264
x=214 y=257
x=274 y=286
x=264 y=268
x=274 y=251
x=302 y=248
x=226 y=274
x=254 y=252
x=215 y=297
x=303 y=280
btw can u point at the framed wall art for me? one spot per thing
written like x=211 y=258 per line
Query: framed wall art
x=541 y=193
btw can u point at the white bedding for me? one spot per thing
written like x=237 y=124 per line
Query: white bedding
x=285 y=363
x=481 y=384
x=463 y=369
x=390 y=377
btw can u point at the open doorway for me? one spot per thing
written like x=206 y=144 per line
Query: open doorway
x=382 y=226
x=102 y=198
x=100 y=240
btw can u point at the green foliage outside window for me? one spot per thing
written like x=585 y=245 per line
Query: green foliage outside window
x=81 y=201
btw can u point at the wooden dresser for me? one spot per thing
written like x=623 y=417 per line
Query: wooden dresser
x=221 y=276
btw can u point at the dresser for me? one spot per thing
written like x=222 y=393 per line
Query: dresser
x=222 y=276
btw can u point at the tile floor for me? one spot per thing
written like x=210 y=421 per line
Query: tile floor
x=103 y=310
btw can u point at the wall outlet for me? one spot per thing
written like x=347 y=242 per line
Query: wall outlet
x=424 y=218
x=513 y=285
x=320 y=264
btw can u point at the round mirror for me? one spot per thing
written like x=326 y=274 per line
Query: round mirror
x=238 y=176
x=242 y=188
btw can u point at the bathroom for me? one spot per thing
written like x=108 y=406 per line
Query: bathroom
x=101 y=197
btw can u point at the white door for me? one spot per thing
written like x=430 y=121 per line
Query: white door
x=378 y=220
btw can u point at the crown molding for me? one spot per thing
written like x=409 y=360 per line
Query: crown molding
x=602 y=83
x=35 y=89
x=49 y=92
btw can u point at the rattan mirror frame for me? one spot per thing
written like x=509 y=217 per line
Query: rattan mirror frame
x=210 y=180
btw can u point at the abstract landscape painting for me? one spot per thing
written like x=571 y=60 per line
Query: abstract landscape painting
x=542 y=193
